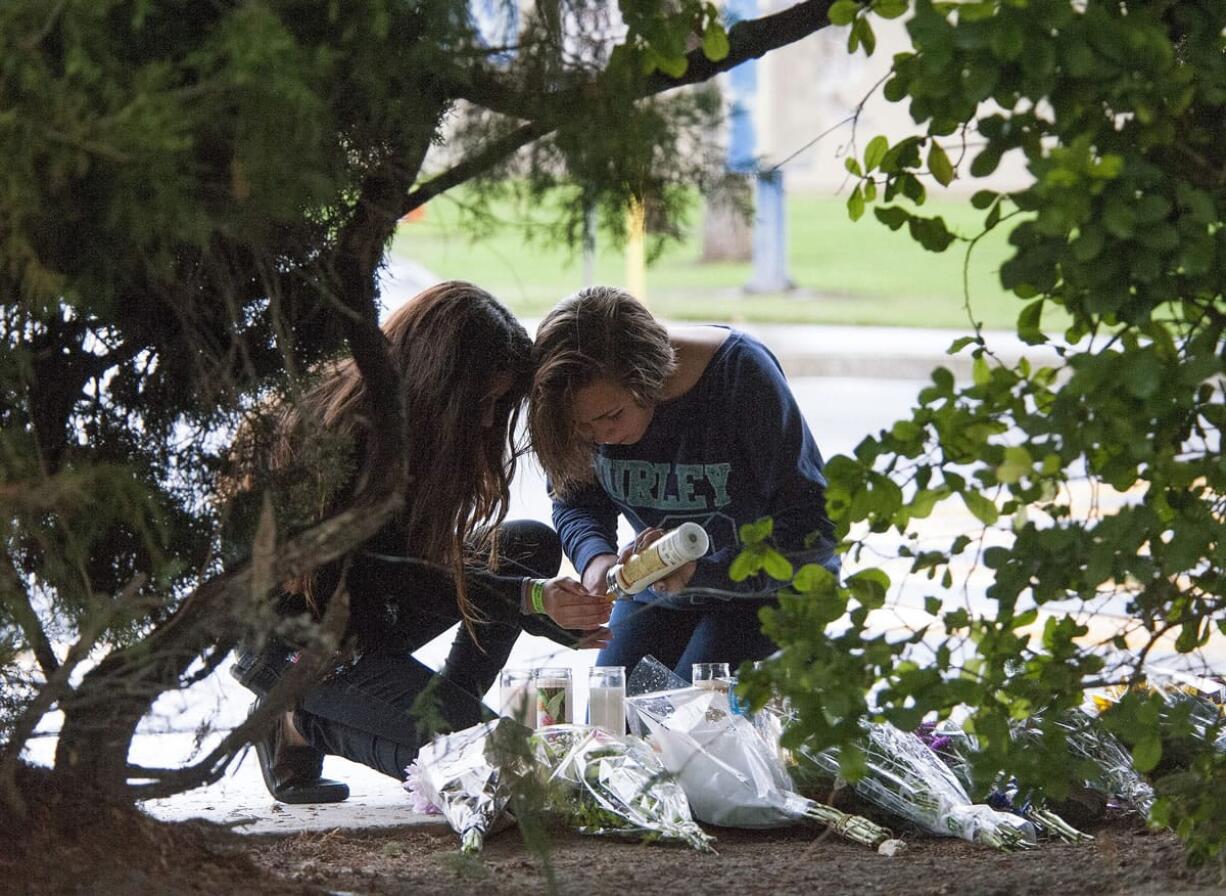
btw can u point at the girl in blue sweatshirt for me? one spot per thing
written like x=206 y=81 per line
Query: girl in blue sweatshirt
x=664 y=426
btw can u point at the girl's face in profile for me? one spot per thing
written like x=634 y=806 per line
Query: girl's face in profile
x=608 y=414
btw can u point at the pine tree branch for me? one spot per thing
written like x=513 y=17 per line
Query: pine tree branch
x=13 y=592
x=749 y=39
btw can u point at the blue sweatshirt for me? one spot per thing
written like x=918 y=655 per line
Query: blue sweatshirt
x=731 y=450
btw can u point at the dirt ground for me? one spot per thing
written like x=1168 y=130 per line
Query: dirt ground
x=1123 y=860
x=116 y=852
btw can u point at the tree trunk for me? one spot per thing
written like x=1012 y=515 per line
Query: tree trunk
x=101 y=716
x=727 y=235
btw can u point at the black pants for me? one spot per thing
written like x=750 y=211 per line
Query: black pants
x=381 y=708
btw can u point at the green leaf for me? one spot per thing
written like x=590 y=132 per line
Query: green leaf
x=842 y=12
x=993 y=217
x=983 y=198
x=1089 y=243
x=982 y=508
x=715 y=42
x=889 y=9
x=855 y=204
x=895 y=90
x=757 y=531
x=673 y=66
x=1147 y=752
x=892 y=216
x=743 y=566
x=1028 y=324
x=1120 y=219
x=867 y=36
x=925 y=500
x=861 y=33
x=1017 y=464
x=869 y=587
x=931 y=233
x=980 y=372
x=875 y=152
x=777 y=566
x=1007 y=40
x=940 y=166
x=985 y=163
x=812 y=577
x=1143 y=377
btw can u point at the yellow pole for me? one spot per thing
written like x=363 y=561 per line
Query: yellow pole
x=636 y=250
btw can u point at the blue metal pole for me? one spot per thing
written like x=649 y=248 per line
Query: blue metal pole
x=743 y=87
x=770 y=243
x=770 y=216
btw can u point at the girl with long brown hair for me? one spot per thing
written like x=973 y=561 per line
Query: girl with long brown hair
x=464 y=366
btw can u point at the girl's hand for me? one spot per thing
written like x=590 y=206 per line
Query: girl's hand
x=673 y=582
x=571 y=606
x=677 y=579
x=595 y=576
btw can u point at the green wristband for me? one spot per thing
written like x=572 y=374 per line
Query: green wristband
x=538 y=596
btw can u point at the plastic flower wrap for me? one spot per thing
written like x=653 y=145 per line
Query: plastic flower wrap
x=1196 y=700
x=468 y=776
x=1117 y=777
x=955 y=747
x=605 y=784
x=732 y=776
x=907 y=779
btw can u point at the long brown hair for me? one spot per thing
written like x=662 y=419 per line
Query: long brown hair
x=600 y=332
x=448 y=343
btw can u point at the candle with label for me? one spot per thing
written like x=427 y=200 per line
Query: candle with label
x=669 y=552
x=555 y=697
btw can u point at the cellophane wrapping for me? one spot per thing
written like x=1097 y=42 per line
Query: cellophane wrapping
x=608 y=784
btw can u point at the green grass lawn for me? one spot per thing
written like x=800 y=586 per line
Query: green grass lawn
x=845 y=272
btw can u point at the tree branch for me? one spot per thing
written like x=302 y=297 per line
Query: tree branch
x=292 y=684
x=473 y=165
x=13 y=592
x=749 y=39
x=56 y=685
x=126 y=682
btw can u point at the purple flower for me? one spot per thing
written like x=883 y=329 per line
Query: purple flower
x=417 y=801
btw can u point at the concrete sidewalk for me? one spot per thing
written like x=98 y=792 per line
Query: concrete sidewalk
x=900 y=353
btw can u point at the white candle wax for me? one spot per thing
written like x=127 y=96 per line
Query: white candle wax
x=606 y=708
x=519 y=703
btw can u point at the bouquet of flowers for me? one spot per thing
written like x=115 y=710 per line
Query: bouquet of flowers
x=605 y=784
x=465 y=776
x=1196 y=700
x=731 y=776
x=955 y=747
x=1116 y=777
x=907 y=779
